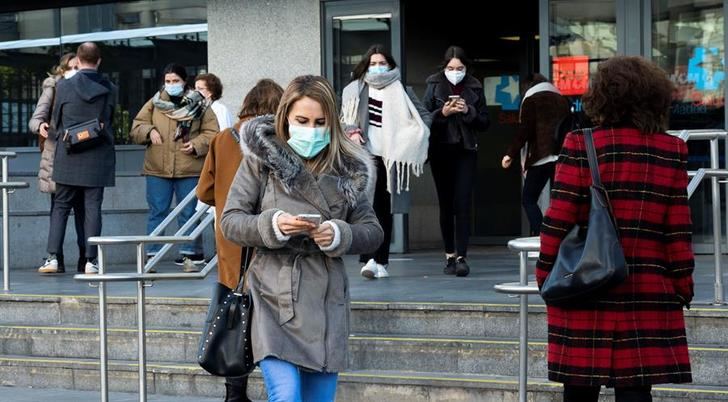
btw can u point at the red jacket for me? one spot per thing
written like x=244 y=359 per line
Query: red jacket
x=635 y=334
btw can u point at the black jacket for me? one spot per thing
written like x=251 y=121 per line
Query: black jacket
x=457 y=128
x=79 y=99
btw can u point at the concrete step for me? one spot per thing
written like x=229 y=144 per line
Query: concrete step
x=705 y=325
x=354 y=386
x=454 y=355
x=25 y=394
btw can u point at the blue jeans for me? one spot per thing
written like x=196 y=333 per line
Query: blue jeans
x=285 y=382
x=159 y=199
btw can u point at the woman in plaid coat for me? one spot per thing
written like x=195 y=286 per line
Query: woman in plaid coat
x=633 y=335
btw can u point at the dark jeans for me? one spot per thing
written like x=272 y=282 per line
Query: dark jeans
x=536 y=179
x=62 y=204
x=383 y=209
x=591 y=394
x=78 y=218
x=453 y=169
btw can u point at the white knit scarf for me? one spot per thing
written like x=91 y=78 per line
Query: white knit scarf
x=404 y=136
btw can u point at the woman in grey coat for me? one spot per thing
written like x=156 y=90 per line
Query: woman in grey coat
x=301 y=163
x=39 y=124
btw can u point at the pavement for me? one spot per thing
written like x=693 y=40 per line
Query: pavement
x=13 y=394
x=414 y=277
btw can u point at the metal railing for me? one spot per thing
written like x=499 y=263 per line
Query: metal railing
x=142 y=276
x=523 y=288
x=7 y=187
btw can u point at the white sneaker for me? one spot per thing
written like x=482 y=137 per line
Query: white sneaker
x=382 y=271
x=369 y=270
x=91 y=267
x=50 y=266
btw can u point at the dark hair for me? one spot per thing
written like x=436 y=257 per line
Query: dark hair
x=456 y=52
x=629 y=90
x=213 y=85
x=262 y=99
x=174 y=68
x=532 y=80
x=62 y=66
x=363 y=65
x=88 y=53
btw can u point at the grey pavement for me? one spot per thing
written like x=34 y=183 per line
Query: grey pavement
x=12 y=394
x=414 y=277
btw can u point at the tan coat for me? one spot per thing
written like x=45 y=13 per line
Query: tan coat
x=42 y=114
x=300 y=293
x=217 y=175
x=167 y=160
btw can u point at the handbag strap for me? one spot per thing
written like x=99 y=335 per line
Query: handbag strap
x=591 y=155
x=247 y=251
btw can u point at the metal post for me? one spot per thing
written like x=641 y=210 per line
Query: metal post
x=6 y=231
x=141 y=327
x=523 y=336
x=715 y=195
x=102 y=330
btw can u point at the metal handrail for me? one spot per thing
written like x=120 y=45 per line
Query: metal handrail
x=142 y=276
x=6 y=187
x=523 y=289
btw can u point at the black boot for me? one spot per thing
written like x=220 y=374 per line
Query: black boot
x=61 y=264
x=235 y=393
x=461 y=267
x=81 y=265
x=450 y=267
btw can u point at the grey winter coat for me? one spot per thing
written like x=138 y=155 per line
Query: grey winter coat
x=300 y=293
x=42 y=114
x=79 y=99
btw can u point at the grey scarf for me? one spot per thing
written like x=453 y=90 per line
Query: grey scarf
x=191 y=107
x=381 y=80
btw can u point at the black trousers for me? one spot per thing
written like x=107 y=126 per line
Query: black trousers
x=591 y=394
x=78 y=218
x=453 y=169
x=62 y=205
x=536 y=179
x=383 y=209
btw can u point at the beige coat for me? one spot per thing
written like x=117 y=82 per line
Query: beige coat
x=300 y=293
x=42 y=114
x=167 y=160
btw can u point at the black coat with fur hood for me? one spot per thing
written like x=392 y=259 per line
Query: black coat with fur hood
x=300 y=292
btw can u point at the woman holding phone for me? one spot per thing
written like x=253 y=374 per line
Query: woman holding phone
x=297 y=166
x=456 y=101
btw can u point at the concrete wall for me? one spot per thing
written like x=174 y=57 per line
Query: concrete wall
x=253 y=39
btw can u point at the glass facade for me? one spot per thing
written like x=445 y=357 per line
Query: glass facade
x=352 y=37
x=137 y=40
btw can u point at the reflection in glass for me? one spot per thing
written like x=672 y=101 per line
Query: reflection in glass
x=352 y=38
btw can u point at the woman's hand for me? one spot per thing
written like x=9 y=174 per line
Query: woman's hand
x=356 y=136
x=450 y=107
x=323 y=235
x=43 y=130
x=290 y=225
x=155 y=137
x=187 y=148
x=506 y=162
x=461 y=106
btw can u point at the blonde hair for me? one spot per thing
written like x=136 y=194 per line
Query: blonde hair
x=63 y=65
x=330 y=160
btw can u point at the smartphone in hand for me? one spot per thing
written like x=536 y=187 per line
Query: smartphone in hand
x=313 y=218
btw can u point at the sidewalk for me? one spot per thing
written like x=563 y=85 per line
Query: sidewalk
x=13 y=394
x=415 y=277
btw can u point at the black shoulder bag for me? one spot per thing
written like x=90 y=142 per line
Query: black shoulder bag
x=590 y=261
x=225 y=347
x=86 y=135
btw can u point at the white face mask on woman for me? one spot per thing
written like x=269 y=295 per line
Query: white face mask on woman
x=454 y=76
x=70 y=73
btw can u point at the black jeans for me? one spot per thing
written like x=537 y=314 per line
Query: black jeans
x=78 y=218
x=62 y=204
x=453 y=169
x=591 y=394
x=536 y=179
x=383 y=209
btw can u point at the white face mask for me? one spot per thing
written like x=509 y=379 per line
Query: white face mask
x=455 y=76
x=70 y=73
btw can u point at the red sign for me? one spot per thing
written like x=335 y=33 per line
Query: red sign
x=571 y=74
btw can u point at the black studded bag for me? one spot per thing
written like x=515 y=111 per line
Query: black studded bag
x=225 y=349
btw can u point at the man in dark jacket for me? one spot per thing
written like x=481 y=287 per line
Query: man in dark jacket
x=83 y=97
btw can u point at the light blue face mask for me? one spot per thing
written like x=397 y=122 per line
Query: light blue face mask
x=308 y=141
x=174 y=89
x=378 y=69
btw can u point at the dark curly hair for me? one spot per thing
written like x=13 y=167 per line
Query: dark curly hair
x=629 y=90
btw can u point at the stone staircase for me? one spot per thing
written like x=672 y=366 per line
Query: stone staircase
x=398 y=351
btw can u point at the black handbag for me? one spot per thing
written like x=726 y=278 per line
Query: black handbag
x=589 y=261
x=86 y=135
x=225 y=348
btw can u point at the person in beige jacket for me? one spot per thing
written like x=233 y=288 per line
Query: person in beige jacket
x=176 y=126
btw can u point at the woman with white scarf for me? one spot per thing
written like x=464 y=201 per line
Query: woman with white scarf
x=391 y=122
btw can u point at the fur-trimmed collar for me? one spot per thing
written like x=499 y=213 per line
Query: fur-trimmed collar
x=259 y=140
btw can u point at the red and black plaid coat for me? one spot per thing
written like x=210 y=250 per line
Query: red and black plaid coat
x=635 y=333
